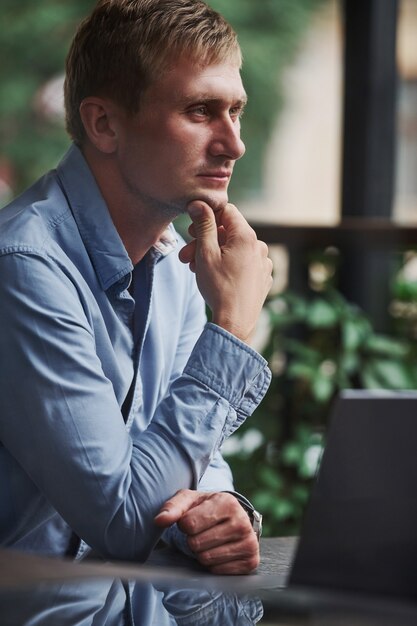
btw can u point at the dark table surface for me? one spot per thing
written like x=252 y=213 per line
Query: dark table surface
x=283 y=605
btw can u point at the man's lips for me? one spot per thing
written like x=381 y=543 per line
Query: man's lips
x=220 y=175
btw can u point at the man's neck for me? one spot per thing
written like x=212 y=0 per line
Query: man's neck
x=139 y=232
x=137 y=225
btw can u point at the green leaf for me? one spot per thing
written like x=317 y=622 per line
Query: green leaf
x=292 y=454
x=270 y=478
x=388 y=374
x=297 y=369
x=302 y=351
x=352 y=335
x=405 y=290
x=387 y=346
x=348 y=364
x=369 y=377
x=264 y=500
x=300 y=493
x=322 y=388
x=284 y=508
x=321 y=314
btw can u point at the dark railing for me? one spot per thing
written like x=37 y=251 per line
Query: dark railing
x=368 y=251
x=371 y=233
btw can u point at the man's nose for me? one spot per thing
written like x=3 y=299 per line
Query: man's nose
x=227 y=142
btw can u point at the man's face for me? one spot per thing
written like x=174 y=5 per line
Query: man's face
x=183 y=143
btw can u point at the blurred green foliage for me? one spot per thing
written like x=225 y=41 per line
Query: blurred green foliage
x=34 y=39
x=403 y=307
x=317 y=345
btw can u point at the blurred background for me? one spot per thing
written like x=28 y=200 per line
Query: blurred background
x=329 y=179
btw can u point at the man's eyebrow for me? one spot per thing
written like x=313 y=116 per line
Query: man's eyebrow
x=209 y=99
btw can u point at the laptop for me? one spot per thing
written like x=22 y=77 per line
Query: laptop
x=360 y=528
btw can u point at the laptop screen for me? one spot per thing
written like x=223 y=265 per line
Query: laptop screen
x=360 y=528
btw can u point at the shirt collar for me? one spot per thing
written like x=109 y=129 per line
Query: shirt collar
x=166 y=244
x=100 y=237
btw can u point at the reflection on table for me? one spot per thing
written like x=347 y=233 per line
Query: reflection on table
x=173 y=590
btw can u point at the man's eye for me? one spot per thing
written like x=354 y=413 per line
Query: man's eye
x=200 y=110
x=236 y=112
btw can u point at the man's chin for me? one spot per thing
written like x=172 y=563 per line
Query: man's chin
x=215 y=201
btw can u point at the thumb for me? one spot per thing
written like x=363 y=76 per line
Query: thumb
x=177 y=506
x=204 y=223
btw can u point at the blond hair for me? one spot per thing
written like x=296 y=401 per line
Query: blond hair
x=124 y=45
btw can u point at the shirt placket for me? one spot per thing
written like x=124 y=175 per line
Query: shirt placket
x=143 y=290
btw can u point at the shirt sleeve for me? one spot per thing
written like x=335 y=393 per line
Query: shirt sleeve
x=61 y=421
x=217 y=477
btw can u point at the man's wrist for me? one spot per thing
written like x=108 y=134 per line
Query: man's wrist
x=254 y=516
x=233 y=329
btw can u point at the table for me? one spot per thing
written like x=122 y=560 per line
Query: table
x=23 y=577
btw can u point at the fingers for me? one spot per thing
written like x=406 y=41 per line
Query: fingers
x=204 y=231
x=230 y=218
x=240 y=557
x=176 y=507
x=218 y=530
x=187 y=253
x=221 y=234
x=213 y=509
x=238 y=567
x=205 y=228
x=232 y=530
x=223 y=216
x=220 y=534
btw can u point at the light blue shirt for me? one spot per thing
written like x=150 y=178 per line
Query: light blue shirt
x=72 y=340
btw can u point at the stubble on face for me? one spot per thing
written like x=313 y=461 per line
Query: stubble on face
x=170 y=210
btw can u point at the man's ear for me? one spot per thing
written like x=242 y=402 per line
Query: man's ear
x=99 y=119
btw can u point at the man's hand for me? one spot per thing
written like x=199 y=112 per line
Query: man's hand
x=218 y=529
x=234 y=273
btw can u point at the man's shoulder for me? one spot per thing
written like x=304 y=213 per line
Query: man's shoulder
x=27 y=223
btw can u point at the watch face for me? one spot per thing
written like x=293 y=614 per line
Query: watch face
x=257 y=523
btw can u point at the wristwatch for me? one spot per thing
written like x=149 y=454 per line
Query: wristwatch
x=254 y=515
x=256 y=520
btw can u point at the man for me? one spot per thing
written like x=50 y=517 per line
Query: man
x=115 y=395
